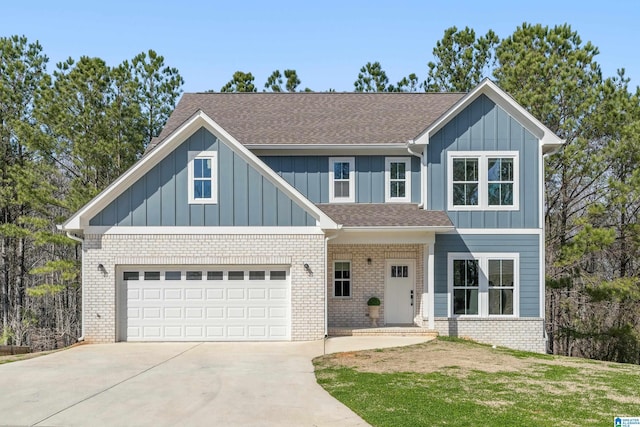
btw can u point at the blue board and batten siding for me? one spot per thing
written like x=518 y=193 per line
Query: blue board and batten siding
x=484 y=126
x=245 y=197
x=310 y=176
x=527 y=245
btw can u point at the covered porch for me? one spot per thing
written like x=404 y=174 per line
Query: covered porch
x=384 y=251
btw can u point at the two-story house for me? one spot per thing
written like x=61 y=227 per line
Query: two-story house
x=276 y=216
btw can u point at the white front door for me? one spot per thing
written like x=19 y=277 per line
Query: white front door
x=399 y=293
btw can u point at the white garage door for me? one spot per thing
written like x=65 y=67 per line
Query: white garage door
x=205 y=304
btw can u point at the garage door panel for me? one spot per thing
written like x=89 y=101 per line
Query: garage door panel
x=151 y=332
x=133 y=294
x=194 y=313
x=277 y=313
x=174 y=305
x=194 y=332
x=172 y=312
x=151 y=294
x=193 y=294
x=215 y=312
x=133 y=313
x=236 y=331
x=151 y=313
x=215 y=294
x=256 y=332
x=173 y=331
x=278 y=294
x=257 y=313
x=237 y=294
x=236 y=313
x=216 y=332
x=133 y=332
x=278 y=332
x=172 y=294
x=257 y=294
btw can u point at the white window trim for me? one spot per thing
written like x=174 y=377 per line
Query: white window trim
x=333 y=279
x=483 y=288
x=483 y=185
x=213 y=155
x=352 y=180
x=387 y=179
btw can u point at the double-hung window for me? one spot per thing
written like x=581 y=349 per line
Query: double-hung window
x=397 y=174
x=466 y=282
x=486 y=180
x=203 y=177
x=342 y=181
x=484 y=284
x=342 y=279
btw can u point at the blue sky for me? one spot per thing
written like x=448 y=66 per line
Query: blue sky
x=325 y=41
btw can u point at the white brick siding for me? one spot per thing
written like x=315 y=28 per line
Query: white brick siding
x=521 y=334
x=307 y=288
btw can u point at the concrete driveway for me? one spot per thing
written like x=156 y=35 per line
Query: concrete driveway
x=167 y=384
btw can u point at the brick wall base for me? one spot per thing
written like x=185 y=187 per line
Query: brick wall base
x=520 y=334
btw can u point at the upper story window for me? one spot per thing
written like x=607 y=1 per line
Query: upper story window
x=397 y=175
x=342 y=180
x=483 y=284
x=483 y=180
x=203 y=177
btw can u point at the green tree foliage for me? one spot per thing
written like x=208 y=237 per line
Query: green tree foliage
x=275 y=81
x=407 y=84
x=462 y=60
x=29 y=196
x=240 y=82
x=158 y=87
x=292 y=80
x=63 y=139
x=372 y=78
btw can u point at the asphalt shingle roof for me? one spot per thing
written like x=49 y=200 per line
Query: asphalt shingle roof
x=315 y=118
x=384 y=215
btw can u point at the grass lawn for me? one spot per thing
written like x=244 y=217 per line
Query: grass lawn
x=461 y=383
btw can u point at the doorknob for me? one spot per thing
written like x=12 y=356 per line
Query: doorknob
x=412 y=297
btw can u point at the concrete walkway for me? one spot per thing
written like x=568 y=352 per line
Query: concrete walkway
x=187 y=384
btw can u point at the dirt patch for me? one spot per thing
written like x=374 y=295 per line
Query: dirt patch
x=433 y=356
x=438 y=355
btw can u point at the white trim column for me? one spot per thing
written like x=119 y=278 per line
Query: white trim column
x=429 y=282
x=431 y=285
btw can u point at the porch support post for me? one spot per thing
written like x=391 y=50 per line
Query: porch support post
x=431 y=300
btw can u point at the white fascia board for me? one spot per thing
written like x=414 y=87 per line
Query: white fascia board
x=213 y=230
x=79 y=221
x=546 y=137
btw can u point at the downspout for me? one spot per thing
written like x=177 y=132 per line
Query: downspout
x=326 y=291
x=81 y=241
x=423 y=173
